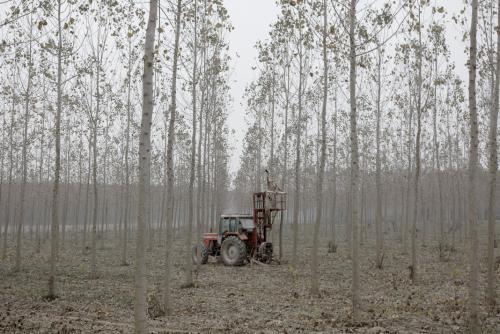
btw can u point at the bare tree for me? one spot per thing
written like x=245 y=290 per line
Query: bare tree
x=144 y=173
x=57 y=170
x=298 y=132
x=472 y=181
x=379 y=256
x=126 y=214
x=354 y=183
x=170 y=162
x=321 y=171
x=189 y=263
x=416 y=182
x=493 y=167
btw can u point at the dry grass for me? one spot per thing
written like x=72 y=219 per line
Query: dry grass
x=253 y=298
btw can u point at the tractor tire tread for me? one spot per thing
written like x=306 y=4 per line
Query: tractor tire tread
x=242 y=251
x=204 y=254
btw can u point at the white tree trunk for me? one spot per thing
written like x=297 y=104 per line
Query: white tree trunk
x=321 y=171
x=170 y=161
x=354 y=163
x=416 y=184
x=298 y=129
x=438 y=166
x=189 y=262
x=54 y=240
x=493 y=167
x=126 y=214
x=22 y=199
x=140 y=308
x=379 y=256
x=473 y=166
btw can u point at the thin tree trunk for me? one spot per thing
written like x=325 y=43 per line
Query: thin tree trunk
x=87 y=188
x=285 y=158
x=80 y=162
x=416 y=185
x=492 y=168
x=9 y=187
x=354 y=163
x=140 y=307
x=333 y=243
x=57 y=170
x=189 y=262
x=379 y=257
x=40 y=179
x=439 y=177
x=2 y=157
x=127 y=150
x=22 y=199
x=95 y=120
x=473 y=166
x=408 y=177
x=298 y=131
x=66 y=190
x=321 y=172
x=170 y=161
x=258 y=179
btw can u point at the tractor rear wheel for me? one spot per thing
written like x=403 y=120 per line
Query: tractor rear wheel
x=233 y=251
x=200 y=252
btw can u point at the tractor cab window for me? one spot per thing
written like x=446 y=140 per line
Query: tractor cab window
x=233 y=226
x=246 y=223
x=224 y=225
x=228 y=225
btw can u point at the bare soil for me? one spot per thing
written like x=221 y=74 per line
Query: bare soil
x=249 y=299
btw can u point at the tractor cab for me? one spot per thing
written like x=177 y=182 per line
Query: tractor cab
x=235 y=224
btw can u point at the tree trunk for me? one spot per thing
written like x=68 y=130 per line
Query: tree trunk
x=87 y=190
x=354 y=163
x=9 y=187
x=379 y=256
x=2 y=157
x=140 y=307
x=22 y=199
x=298 y=121
x=170 y=161
x=285 y=158
x=492 y=168
x=127 y=150
x=438 y=166
x=54 y=240
x=473 y=166
x=95 y=120
x=258 y=178
x=416 y=184
x=80 y=165
x=189 y=262
x=333 y=242
x=66 y=189
x=408 y=177
x=321 y=172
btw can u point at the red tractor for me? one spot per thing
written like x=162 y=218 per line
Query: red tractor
x=244 y=236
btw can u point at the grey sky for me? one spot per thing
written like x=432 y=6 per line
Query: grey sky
x=251 y=20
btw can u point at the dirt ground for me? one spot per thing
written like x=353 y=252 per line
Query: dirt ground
x=248 y=299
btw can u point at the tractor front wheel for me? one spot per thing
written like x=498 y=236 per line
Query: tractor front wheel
x=200 y=252
x=233 y=251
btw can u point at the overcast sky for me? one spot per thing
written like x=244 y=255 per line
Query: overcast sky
x=251 y=20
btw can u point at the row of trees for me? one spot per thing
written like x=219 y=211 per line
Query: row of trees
x=86 y=154
x=373 y=103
